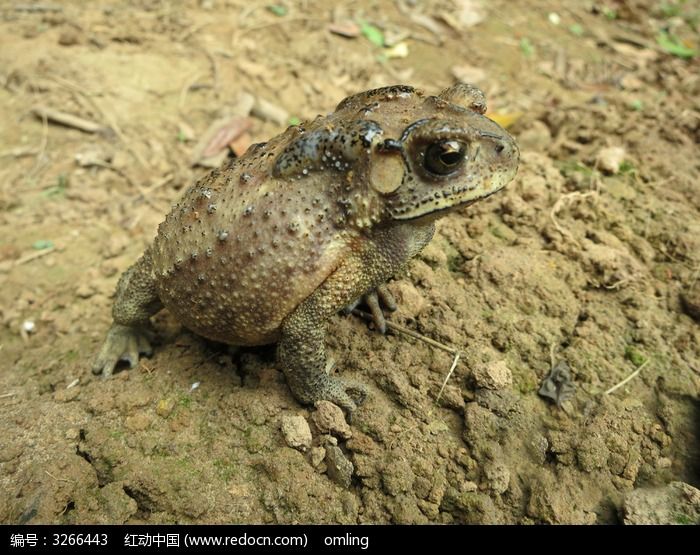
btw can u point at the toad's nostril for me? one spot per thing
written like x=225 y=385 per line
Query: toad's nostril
x=500 y=147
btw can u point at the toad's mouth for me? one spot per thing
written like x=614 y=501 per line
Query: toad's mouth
x=440 y=210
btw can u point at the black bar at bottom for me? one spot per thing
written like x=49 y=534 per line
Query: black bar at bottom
x=304 y=538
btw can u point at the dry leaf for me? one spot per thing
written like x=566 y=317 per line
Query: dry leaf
x=213 y=143
x=347 y=29
x=505 y=119
x=429 y=23
x=241 y=144
x=466 y=14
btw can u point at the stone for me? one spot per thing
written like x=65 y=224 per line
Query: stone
x=340 y=469
x=494 y=375
x=329 y=419
x=296 y=432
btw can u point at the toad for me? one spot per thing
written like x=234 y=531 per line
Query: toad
x=268 y=247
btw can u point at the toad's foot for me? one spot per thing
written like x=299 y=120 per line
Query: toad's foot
x=122 y=343
x=375 y=300
x=311 y=387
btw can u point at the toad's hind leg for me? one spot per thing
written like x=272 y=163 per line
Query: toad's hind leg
x=136 y=300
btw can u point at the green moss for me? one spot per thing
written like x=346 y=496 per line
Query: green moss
x=634 y=356
x=225 y=469
x=58 y=190
x=627 y=167
x=680 y=518
x=609 y=13
x=526 y=47
x=569 y=167
x=455 y=263
x=502 y=232
x=526 y=382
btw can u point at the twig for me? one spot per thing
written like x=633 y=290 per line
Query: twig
x=396 y=327
x=214 y=70
x=277 y=22
x=447 y=378
x=57 y=478
x=6 y=395
x=551 y=355
x=18 y=152
x=401 y=329
x=118 y=171
x=628 y=378
x=186 y=89
x=194 y=29
x=143 y=192
x=42 y=147
x=112 y=123
x=37 y=8
x=615 y=286
x=567 y=199
x=68 y=120
x=33 y=256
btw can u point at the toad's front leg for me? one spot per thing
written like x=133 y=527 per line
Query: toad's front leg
x=302 y=356
x=302 y=352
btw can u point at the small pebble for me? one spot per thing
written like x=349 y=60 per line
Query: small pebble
x=328 y=440
x=70 y=37
x=468 y=486
x=494 y=375
x=165 y=407
x=329 y=419
x=498 y=476
x=340 y=469
x=610 y=159
x=296 y=432
x=66 y=395
x=84 y=291
x=316 y=456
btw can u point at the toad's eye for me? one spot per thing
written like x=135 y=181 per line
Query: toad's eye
x=445 y=157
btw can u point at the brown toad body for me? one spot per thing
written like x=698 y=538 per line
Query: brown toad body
x=268 y=247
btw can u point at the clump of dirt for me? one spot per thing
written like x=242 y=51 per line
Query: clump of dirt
x=589 y=259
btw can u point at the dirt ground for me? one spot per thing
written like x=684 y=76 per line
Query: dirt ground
x=589 y=261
